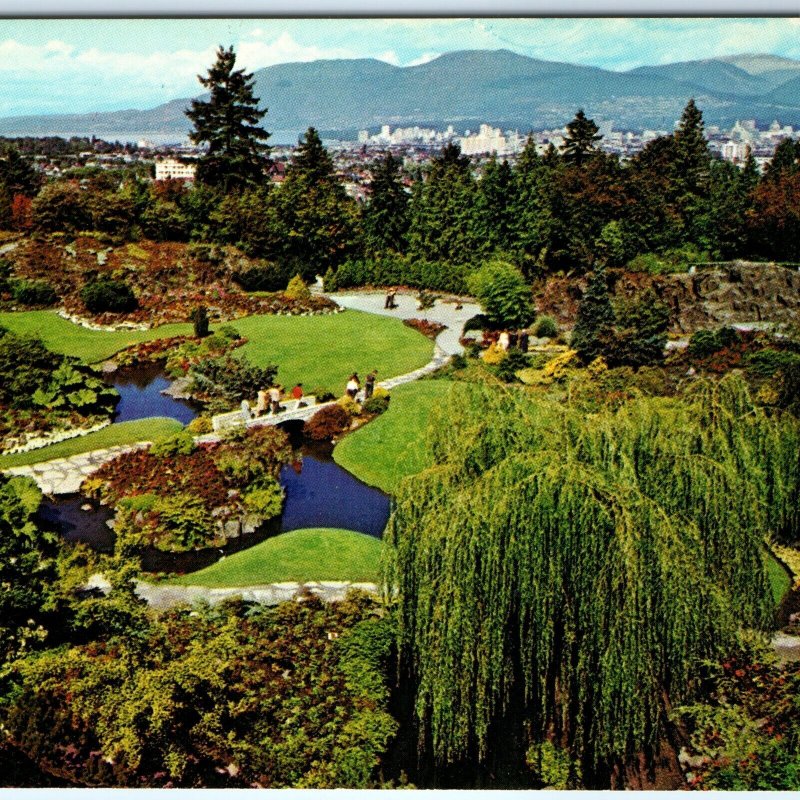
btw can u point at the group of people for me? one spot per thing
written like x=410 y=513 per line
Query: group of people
x=270 y=399
x=354 y=385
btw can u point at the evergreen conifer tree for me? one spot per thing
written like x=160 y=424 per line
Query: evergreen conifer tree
x=580 y=139
x=594 y=325
x=228 y=123
x=318 y=217
x=386 y=219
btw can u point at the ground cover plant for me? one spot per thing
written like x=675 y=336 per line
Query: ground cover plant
x=310 y=554
x=179 y=496
x=41 y=391
x=142 y=282
x=227 y=697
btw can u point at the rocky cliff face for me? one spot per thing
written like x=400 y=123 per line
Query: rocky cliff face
x=739 y=293
x=736 y=293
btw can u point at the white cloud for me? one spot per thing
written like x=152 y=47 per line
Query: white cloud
x=423 y=59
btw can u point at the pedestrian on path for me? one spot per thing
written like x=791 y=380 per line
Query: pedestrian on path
x=263 y=402
x=275 y=399
x=369 y=384
x=353 y=385
x=297 y=392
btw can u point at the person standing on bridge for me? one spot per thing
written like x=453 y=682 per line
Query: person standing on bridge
x=297 y=392
x=275 y=399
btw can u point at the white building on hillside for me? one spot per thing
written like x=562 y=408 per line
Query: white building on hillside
x=175 y=168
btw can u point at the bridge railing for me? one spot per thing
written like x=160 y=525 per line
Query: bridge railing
x=237 y=419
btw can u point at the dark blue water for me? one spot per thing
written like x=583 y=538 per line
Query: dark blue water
x=320 y=494
x=140 y=390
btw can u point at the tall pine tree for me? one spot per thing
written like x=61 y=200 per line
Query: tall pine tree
x=580 y=139
x=228 y=122
x=385 y=218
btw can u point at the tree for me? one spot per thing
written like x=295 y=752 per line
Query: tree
x=579 y=140
x=228 y=122
x=594 y=325
x=385 y=218
x=564 y=579
x=503 y=293
x=785 y=160
x=318 y=217
x=493 y=205
x=443 y=212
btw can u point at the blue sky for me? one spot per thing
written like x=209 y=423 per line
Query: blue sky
x=79 y=65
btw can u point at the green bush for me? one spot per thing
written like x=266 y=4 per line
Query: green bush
x=397 y=270
x=33 y=293
x=705 y=343
x=765 y=363
x=266 y=277
x=376 y=405
x=266 y=501
x=545 y=327
x=514 y=361
x=107 y=294
x=200 y=322
x=181 y=444
x=297 y=289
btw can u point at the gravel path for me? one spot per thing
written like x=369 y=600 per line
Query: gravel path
x=444 y=313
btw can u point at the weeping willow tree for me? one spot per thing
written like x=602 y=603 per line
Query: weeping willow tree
x=579 y=570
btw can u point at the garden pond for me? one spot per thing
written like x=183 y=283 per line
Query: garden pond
x=318 y=492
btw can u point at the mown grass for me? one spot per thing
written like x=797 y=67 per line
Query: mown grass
x=392 y=447
x=322 y=351
x=779 y=580
x=139 y=430
x=62 y=336
x=308 y=554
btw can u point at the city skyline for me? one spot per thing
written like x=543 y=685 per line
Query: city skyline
x=112 y=64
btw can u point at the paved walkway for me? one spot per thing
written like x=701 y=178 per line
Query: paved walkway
x=65 y=475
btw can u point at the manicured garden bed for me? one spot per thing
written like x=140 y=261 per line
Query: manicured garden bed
x=310 y=554
x=392 y=447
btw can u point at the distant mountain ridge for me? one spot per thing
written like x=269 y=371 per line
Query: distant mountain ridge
x=467 y=87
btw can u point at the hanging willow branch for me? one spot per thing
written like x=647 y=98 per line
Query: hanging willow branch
x=592 y=563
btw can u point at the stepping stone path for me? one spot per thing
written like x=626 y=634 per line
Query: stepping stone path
x=65 y=475
x=161 y=596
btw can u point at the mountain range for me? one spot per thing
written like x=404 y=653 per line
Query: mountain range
x=465 y=88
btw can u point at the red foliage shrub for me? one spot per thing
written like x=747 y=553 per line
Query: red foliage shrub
x=327 y=423
x=425 y=327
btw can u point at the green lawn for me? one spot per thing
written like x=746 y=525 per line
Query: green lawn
x=140 y=430
x=63 y=336
x=322 y=351
x=779 y=580
x=392 y=446
x=309 y=554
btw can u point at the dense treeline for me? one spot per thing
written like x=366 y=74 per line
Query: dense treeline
x=572 y=209
x=562 y=579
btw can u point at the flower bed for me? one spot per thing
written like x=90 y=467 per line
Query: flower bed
x=425 y=327
x=185 y=497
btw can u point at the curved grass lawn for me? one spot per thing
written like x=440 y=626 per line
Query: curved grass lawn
x=322 y=351
x=392 y=447
x=65 y=337
x=308 y=554
x=139 y=430
x=779 y=579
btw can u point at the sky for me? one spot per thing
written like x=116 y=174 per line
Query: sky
x=82 y=65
